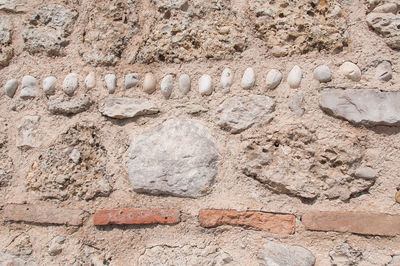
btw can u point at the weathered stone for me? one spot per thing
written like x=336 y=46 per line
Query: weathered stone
x=6 y=163
x=279 y=254
x=386 y=25
x=29 y=89
x=365 y=173
x=28 y=133
x=184 y=83
x=11 y=87
x=294 y=77
x=345 y=255
x=185 y=255
x=49 y=85
x=274 y=78
x=205 y=85
x=296 y=104
x=62 y=106
x=362 y=106
x=122 y=108
x=70 y=83
x=248 y=79
x=322 y=73
x=239 y=113
x=226 y=79
x=181 y=154
x=283 y=224
x=131 y=80
x=90 y=80
x=14 y=6
x=350 y=71
x=6 y=49
x=75 y=156
x=395 y=261
x=111 y=82
x=167 y=84
x=386 y=8
x=42 y=214
x=9 y=259
x=56 y=245
x=149 y=83
x=363 y=223
x=384 y=71
x=136 y=216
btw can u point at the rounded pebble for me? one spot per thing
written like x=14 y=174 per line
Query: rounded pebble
x=350 y=71
x=384 y=71
x=322 y=73
x=274 y=78
x=149 y=83
x=205 y=85
x=248 y=79
x=90 y=80
x=11 y=87
x=29 y=87
x=226 y=79
x=111 y=82
x=131 y=80
x=294 y=77
x=167 y=84
x=70 y=83
x=49 y=85
x=184 y=83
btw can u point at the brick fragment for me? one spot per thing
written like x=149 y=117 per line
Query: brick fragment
x=42 y=214
x=363 y=223
x=283 y=224
x=136 y=216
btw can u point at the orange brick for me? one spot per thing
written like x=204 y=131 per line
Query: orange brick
x=363 y=223
x=136 y=216
x=283 y=224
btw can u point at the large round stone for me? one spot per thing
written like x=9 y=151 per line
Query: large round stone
x=178 y=157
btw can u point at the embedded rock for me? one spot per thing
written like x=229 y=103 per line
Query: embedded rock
x=226 y=79
x=294 y=77
x=385 y=21
x=322 y=73
x=90 y=80
x=239 y=113
x=111 y=82
x=296 y=104
x=279 y=254
x=184 y=83
x=28 y=133
x=49 y=85
x=62 y=106
x=29 y=89
x=178 y=157
x=384 y=71
x=205 y=85
x=9 y=259
x=70 y=83
x=6 y=50
x=366 y=173
x=131 y=80
x=167 y=84
x=350 y=71
x=149 y=83
x=362 y=106
x=395 y=261
x=11 y=87
x=122 y=108
x=248 y=79
x=274 y=78
x=344 y=254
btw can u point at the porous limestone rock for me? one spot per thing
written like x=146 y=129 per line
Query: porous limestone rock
x=226 y=79
x=11 y=87
x=205 y=85
x=279 y=254
x=274 y=78
x=178 y=157
x=62 y=106
x=294 y=77
x=70 y=84
x=184 y=83
x=49 y=85
x=167 y=84
x=6 y=50
x=122 y=108
x=248 y=79
x=29 y=86
x=344 y=254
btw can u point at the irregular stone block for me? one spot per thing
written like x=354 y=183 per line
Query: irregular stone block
x=122 y=108
x=28 y=133
x=136 y=217
x=73 y=106
x=344 y=254
x=280 y=254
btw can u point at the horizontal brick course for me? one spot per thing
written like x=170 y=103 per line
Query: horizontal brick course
x=363 y=223
x=136 y=216
x=283 y=224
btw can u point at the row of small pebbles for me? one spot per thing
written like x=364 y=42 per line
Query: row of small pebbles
x=274 y=77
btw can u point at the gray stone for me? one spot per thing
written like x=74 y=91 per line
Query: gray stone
x=345 y=255
x=28 y=133
x=111 y=82
x=6 y=49
x=75 y=156
x=56 y=245
x=178 y=157
x=279 y=254
x=184 y=83
x=149 y=83
x=362 y=106
x=386 y=8
x=167 y=84
x=90 y=80
x=61 y=106
x=70 y=83
x=11 y=260
x=14 y=6
x=384 y=71
x=11 y=87
x=131 y=80
x=226 y=79
x=239 y=113
x=294 y=77
x=205 y=85
x=395 y=261
x=387 y=25
x=122 y=108
x=365 y=173
x=248 y=79
x=322 y=73
x=296 y=104
x=350 y=71
x=29 y=88
x=49 y=85
x=274 y=78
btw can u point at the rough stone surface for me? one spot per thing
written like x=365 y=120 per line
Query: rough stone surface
x=6 y=163
x=181 y=154
x=149 y=83
x=384 y=71
x=279 y=254
x=90 y=80
x=185 y=255
x=274 y=78
x=14 y=6
x=205 y=85
x=6 y=50
x=294 y=77
x=395 y=261
x=226 y=79
x=47 y=30
x=62 y=106
x=28 y=132
x=239 y=113
x=29 y=89
x=363 y=223
x=131 y=80
x=365 y=173
x=122 y=108
x=167 y=84
x=11 y=87
x=54 y=175
x=296 y=105
x=49 y=85
x=322 y=73
x=283 y=224
x=9 y=259
x=136 y=216
x=111 y=82
x=350 y=71
x=345 y=255
x=248 y=79
x=184 y=83
x=70 y=84
x=367 y=107
x=56 y=245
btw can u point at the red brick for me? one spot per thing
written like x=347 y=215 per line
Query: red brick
x=42 y=214
x=283 y=224
x=363 y=223
x=136 y=216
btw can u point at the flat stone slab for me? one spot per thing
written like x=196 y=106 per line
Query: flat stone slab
x=363 y=223
x=362 y=106
x=122 y=108
x=69 y=107
x=178 y=157
x=279 y=254
x=136 y=217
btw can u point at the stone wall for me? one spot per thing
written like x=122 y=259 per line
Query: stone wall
x=160 y=132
